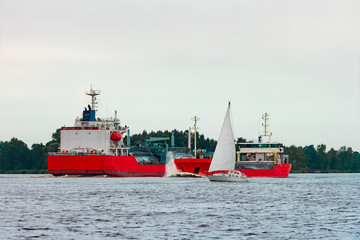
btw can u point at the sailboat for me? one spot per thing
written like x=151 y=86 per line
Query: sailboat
x=222 y=167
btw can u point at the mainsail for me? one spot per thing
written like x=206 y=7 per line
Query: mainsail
x=224 y=155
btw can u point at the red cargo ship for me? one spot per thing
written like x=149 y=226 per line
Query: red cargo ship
x=250 y=169
x=95 y=147
x=255 y=159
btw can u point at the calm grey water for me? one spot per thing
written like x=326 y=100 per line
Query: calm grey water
x=303 y=206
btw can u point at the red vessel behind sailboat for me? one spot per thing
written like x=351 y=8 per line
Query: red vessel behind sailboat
x=201 y=167
x=256 y=159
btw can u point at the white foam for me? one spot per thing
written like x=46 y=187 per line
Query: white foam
x=170 y=168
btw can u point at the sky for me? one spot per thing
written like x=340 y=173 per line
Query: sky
x=159 y=63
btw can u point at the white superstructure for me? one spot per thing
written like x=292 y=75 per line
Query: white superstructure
x=101 y=136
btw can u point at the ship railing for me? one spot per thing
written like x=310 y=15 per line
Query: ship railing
x=65 y=153
x=251 y=161
x=179 y=149
x=120 y=151
x=183 y=155
x=150 y=162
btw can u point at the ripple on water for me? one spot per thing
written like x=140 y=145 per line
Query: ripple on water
x=303 y=206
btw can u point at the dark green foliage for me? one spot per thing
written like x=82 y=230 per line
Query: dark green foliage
x=38 y=156
x=356 y=162
x=345 y=158
x=321 y=156
x=181 y=139
x=56 y=136
x=54 y=144
x=15 y=155
x=331 y=158
x=241 y=140
x=297 y=158
x=309 y=159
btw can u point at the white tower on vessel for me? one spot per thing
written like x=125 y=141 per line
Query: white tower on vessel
x=189 y=139
x=196 y=119
x=93 y=94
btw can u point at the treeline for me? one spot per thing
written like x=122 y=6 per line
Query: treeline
x=181 y=139
x=303 y=159
x=16 y=157
x=311 y=159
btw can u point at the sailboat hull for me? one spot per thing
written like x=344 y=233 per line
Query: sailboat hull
x=230 y=176
x=225 y=178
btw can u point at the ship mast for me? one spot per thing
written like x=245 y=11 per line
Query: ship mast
x=93 y=94
x=195 y=119
x=265 y=117
x=189 y=139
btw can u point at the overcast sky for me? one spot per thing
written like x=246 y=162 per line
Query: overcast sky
x=161 y=62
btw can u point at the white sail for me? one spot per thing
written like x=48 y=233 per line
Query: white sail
x=224 y=155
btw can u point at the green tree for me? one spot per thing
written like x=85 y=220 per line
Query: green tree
x=15 y=155
x=346 y=158
x=312 y=160
x=38 y=156
x=1 y=145
x=356 y=162
x=181 y=139
x=321 y=156
x=54 y=144
x=56 y=136
x=241 y=140
x=297 y=158
x=331 y=157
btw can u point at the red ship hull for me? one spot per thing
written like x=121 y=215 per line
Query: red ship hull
x=201 y=167
x=114 y=166
x=280 y=170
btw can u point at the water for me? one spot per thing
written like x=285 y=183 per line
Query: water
x=303 y=206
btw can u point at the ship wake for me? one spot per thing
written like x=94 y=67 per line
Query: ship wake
x=170 y=168
x=186 y=174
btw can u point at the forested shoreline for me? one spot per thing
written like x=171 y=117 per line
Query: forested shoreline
x=17 y=157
